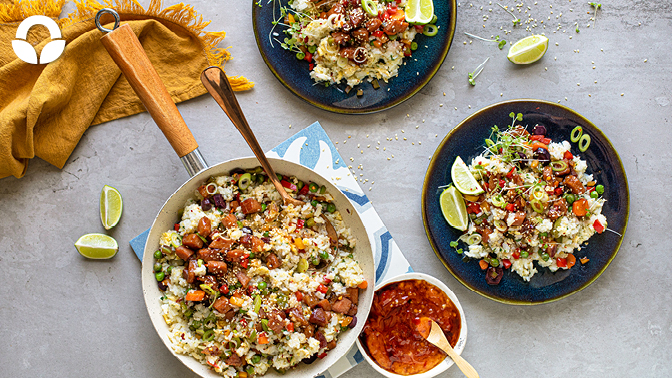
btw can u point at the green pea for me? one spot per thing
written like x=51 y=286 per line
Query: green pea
x=263 y=207
x=316 y=261
x=545 y=256
x=266 y=234
x=570 y=198
x=160 y=276
x=524 y=254
x=599 y=189
x=255 y=359
x=323 y=189
x=157 y=267
x=314 y=203
x=253 y=255
x=158 y=255
x=262 y=285
x=324 y=255
x=494 y=262
x=594 y=194
x=331 y=207
x=310 y=222
x=169 y=270
x=279 y=176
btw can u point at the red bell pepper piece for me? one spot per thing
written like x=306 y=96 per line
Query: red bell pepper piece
x=300 y=223
x=177 y=227
x=506 y=263
x=288 y=185
x=322 y=289
x=562 y=262
x=568 y=155
x=558 y=191
x=598 y=226
x=299 y=296
x=511 y=172
x=516 y=254
x=510 y=207
x=304 y=189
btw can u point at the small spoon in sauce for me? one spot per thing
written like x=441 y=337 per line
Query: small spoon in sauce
x=432 y=332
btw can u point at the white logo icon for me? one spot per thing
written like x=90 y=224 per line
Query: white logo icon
x=25 y=50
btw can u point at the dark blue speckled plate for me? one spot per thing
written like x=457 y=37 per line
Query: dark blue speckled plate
x=467 y=140
x=413 y=75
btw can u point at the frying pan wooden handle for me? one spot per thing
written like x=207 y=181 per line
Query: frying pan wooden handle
x=126 y=50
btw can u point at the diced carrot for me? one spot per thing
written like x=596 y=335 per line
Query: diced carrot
x=363 y=285
x=398 y=15
x=470 y=198
x=571 y=260
x=299 y=243
x=584 y=260
x=262 y=338
x=483 y=264
x=195 y=296
x=290 y=327
x=236 y=301
x=580 y=207
x=534 y=145
x=290 y=18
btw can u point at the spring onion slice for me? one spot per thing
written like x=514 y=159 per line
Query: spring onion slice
x=211 y=188
x=474 y=239
x=584 y=142
x=559 y=166
x=576 y=134
x=537 y=206
x=370 y=7
x=498 y=201
x=244 y=181
x=500 y=225
x=430 y=30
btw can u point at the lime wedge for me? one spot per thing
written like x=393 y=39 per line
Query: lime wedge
x=454 y=208
x=419 y=12
x=97 y=246
x=463 y=180
x=111 y=206
x=528 y=50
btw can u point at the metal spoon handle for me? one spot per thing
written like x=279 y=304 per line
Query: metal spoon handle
x=215 y=81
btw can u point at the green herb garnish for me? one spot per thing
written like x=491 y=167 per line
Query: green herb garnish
x=477 y=71
x=516 y=20
x=501 y=43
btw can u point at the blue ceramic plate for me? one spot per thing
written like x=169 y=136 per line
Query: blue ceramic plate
x=413 y=75
x=467 y=140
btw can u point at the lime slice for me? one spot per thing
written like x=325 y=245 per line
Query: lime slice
x=97 y=246
x=419 y=11
x=528 y=50
x=111 y=206
x=463 y=180
x=454 y=208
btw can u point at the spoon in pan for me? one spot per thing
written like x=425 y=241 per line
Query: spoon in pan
x=433 y=333
x=217 y=84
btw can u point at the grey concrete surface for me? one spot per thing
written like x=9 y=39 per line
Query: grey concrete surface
x=65 y=316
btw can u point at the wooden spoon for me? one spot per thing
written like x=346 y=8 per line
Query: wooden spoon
x=217 y=84
x=433 y=333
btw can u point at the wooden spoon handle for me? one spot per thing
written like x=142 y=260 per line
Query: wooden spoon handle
x=126 y=50
x=466 y=368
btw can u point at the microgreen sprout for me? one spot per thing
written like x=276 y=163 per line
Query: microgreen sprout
x=515 y=117
x=596 y=6
x=516 y=20
x=454 y=245
x=476 y=72
x=501 y=43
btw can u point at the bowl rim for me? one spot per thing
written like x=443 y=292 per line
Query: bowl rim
x=149 y=287
x=462 y=340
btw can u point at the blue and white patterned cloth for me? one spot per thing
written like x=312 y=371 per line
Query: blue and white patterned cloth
x=312 y=148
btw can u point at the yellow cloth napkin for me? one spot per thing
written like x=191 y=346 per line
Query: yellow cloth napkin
x=45 y=109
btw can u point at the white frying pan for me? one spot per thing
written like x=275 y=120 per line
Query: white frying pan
x=128 y=54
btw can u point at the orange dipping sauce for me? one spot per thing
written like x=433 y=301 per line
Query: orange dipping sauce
x=389 y=336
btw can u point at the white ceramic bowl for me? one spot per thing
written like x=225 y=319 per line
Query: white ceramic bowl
x=459 y=347
x=169 y=215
